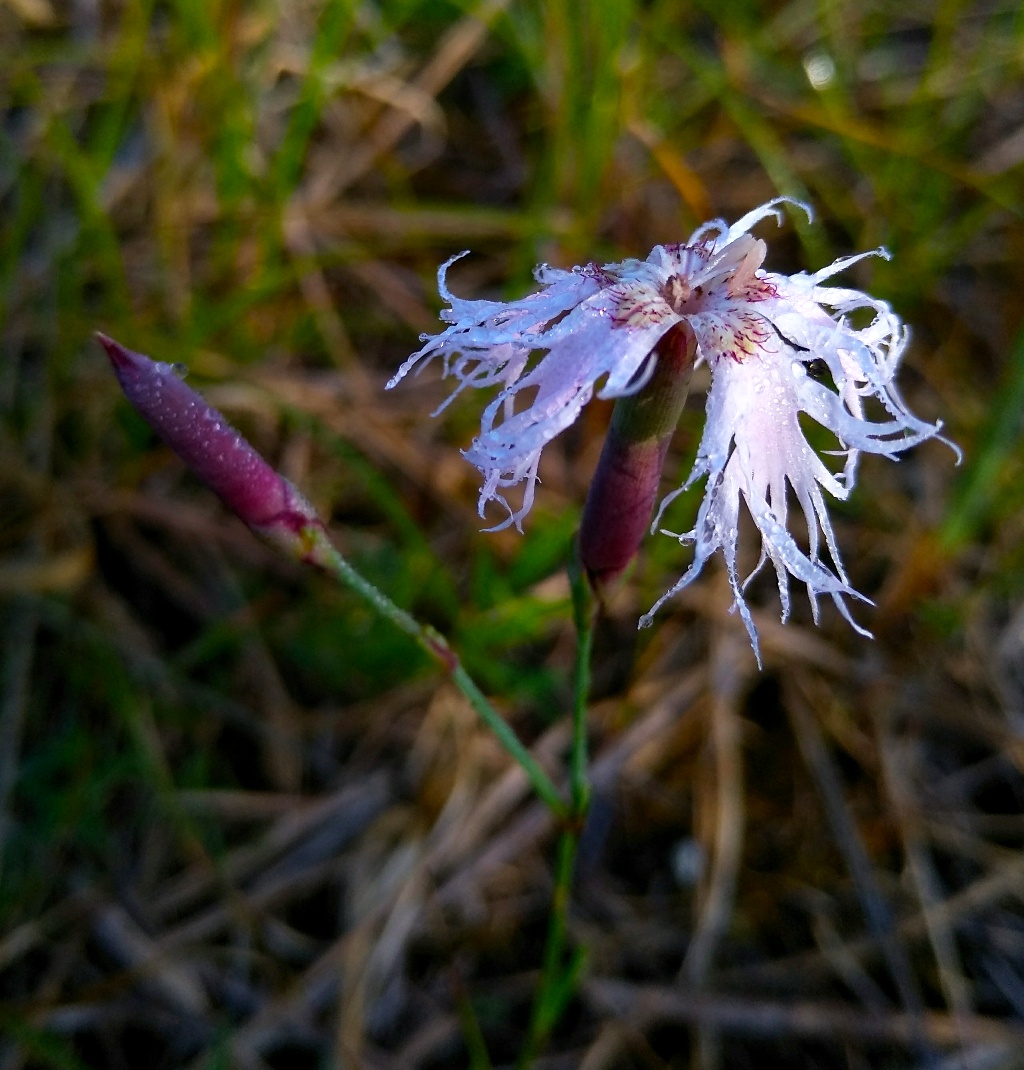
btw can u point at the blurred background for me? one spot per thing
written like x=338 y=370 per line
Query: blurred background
x=242 y=821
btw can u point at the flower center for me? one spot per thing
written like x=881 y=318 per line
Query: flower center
x=680 y=296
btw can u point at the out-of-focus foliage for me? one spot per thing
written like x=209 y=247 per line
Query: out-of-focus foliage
x=244 y=823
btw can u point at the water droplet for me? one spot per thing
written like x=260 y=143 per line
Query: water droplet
x=179 y=369
x=820 y=69
x=688 y=860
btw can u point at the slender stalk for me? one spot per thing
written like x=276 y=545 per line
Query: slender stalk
x=275 y=510
x=542 y=784
x=584 y=608
x=321 y=552
x=559 y=979
x=472 y=1034
x=616 y=514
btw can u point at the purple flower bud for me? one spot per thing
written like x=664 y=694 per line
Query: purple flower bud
x=621 y=498
x=212 y=448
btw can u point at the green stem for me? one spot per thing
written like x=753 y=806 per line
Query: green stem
x=584 y=607
x=559 y=979
x=542 y=784
x=319 y=551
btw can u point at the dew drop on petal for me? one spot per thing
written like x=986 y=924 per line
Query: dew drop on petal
x=179 y=369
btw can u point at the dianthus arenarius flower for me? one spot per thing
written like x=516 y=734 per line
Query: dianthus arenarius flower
x=758 y=332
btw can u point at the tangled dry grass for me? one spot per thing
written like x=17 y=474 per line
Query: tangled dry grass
x=243 y=824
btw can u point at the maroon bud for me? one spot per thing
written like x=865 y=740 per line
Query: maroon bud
x=211 y=447
x=619 y=506
x=621 y=496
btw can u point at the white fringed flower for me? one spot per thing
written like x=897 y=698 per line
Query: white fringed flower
x=758 y=332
